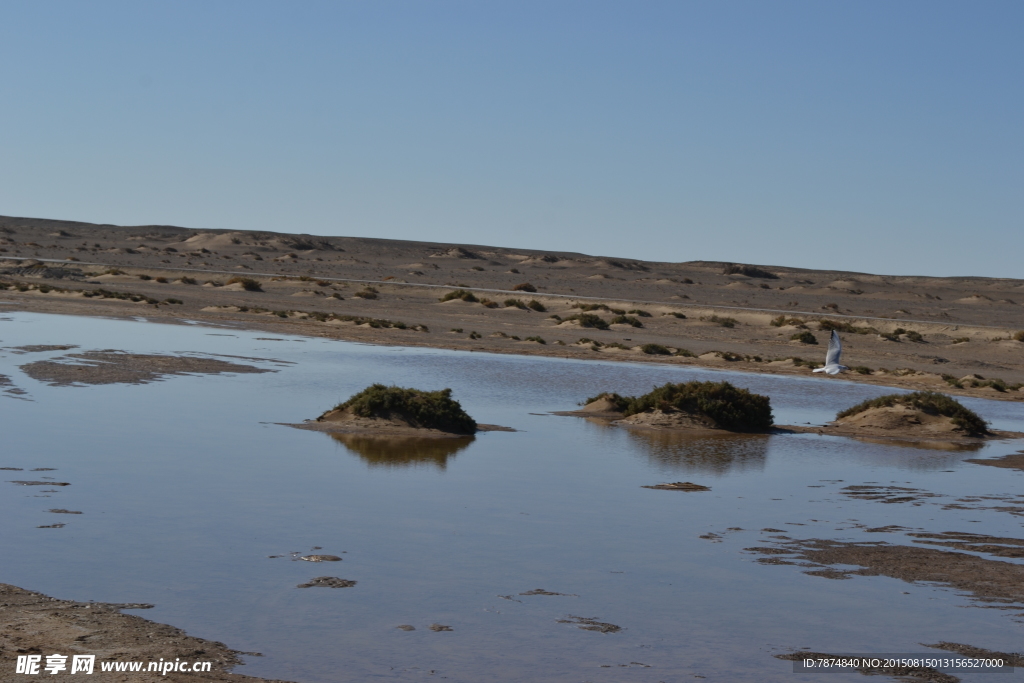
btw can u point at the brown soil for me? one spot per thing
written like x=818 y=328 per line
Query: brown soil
x=410 y=277
x=34 y=624
x=327 y=582
x=120 y=367
x=984 y=580
x=590 y=624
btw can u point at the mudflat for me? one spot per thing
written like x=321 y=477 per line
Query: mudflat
x=953 y=334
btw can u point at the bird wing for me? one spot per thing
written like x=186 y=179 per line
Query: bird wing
x=835 y=348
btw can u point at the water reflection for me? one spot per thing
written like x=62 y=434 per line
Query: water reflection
x=403 y=452
x=928 y=445
x=705 y=454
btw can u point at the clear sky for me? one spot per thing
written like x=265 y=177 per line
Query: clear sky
x=883 y=136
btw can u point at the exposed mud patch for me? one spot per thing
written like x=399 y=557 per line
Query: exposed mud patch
x=40 y=483
x=590 y=624
x=321 y=558
x=327 y=582
x=440 y=627
x=119 y=367
x=541 y=591
x=1013 y=461
x=679 y=486
x=41 y=348
x=984 y=580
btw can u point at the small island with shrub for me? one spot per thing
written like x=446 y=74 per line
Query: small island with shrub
x=397 y=411
x=717 y=406
x=919 y=416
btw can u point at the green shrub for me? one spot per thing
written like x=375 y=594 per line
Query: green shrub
x=475 y=335
x=589 y=320
x=539 y=340
x=826 y=325
x=524 y=287
x=676 y=314
x=686 y=353
x=515 y=303
x=145 y=277
x=248 y=283
x=805 y=337
x=734 y=409
x=930 y=402
x=749 y=271
x=914 y=336
x=655 y=350
x=891 y=336
x=783 y=321
x=861 y=369
x=1018 y=336
x=800 y=362
x=489 y=304
x=186 y=280
x=625 y=320
x=536 y=306
x=459 y=294
x=724 y=322
x=457 y=329
x=427 y=409
x=368 y=293
x=961 y=340
x=640 y=312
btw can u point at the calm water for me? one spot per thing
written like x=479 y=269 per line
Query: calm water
x=187 y=486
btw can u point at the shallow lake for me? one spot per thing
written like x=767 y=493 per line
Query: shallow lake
x=188 y=485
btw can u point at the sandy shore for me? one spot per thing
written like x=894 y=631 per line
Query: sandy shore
x=950 y=334
x=34 y=624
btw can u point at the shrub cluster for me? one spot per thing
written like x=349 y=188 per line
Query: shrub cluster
x=427 y=409
x=459 y=294
x=805 y=337
x=930 y=402
x=248 y=283
x=749 y=271
x=737 y=410
x=524 y=287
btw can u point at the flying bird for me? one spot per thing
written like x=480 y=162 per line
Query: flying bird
x=835 y=348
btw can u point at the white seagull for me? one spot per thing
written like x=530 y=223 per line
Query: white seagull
x=835 y=347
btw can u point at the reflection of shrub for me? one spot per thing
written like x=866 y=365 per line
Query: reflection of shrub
x=805 y=337
x=655 y=350
x=248 y=284
x=734 y=409
x=930 y=402
x=427 y=409
x=524 y=287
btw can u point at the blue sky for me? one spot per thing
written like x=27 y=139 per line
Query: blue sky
x=869 y=136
